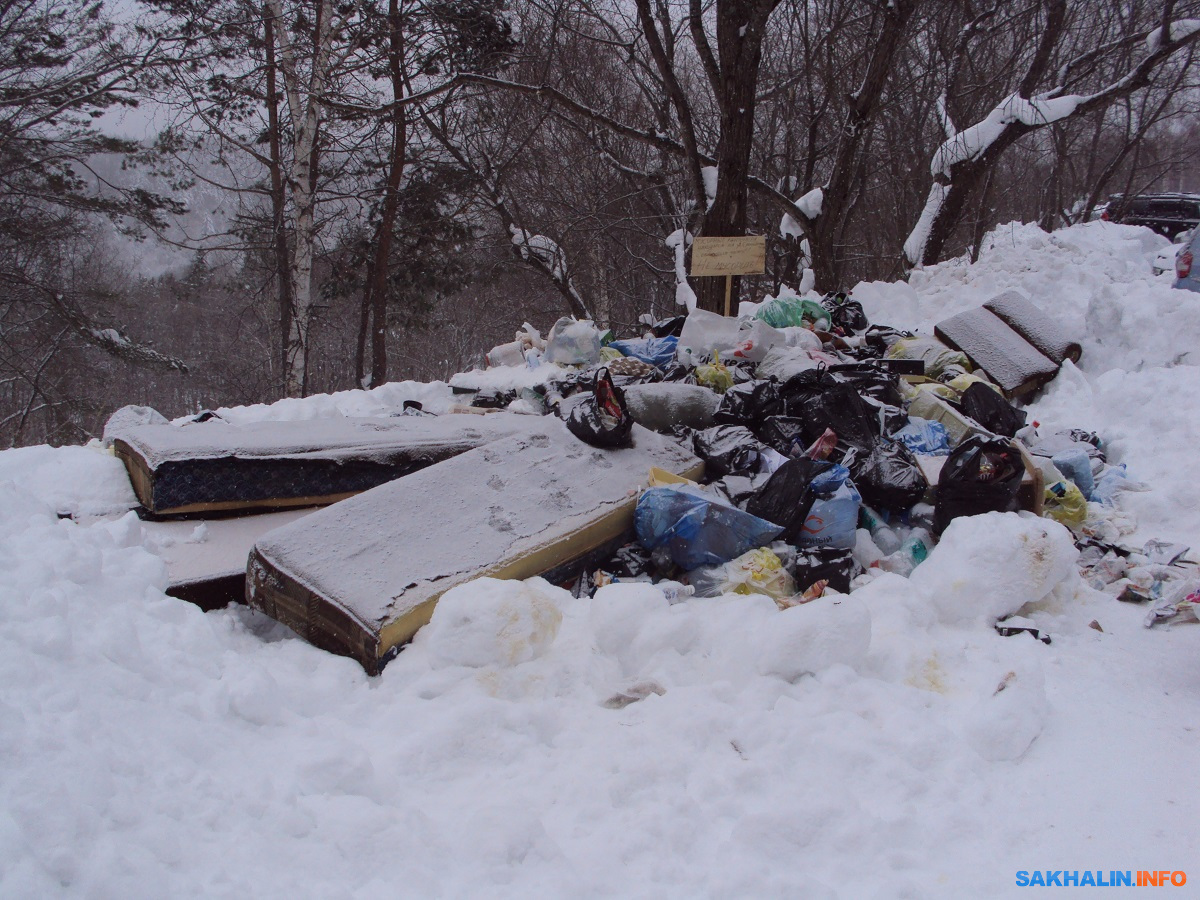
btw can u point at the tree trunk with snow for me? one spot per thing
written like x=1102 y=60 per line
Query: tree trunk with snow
x=846 y=175
x=741 y=25
x=963 y=162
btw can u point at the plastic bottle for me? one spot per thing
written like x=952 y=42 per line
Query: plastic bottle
x=921 y=516
x=913 y=552
x=676 y=592
x=884 y=536
x=1028 y=435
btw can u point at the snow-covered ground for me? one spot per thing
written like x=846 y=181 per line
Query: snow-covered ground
x=148 y=749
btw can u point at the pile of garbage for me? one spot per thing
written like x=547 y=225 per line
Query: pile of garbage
x=835 y=449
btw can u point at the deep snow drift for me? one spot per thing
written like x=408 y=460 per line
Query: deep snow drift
x=887 y=743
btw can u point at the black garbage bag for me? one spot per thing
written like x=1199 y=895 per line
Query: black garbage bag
x=783 y=434
x=740 y=488
x=835 y=566
x=727 y=450
x=891 y=418
x=629 y=562
x=981 y=475
x=871 y=380
x=493 y=399
x=823 y=400
x=749 y=404
x=740 y=370
x=993 y=412
x=880 y=337
x=845 y=313
x=678 y=372
x=672 y=327
x=601 y=418
x=787 y=497
x=887 y=476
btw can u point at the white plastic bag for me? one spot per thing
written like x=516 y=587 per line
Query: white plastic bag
x=510 y=354
x=573 y=343
x=754 y=341
x=704 y=332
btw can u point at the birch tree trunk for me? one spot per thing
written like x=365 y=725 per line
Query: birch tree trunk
x=304 y=108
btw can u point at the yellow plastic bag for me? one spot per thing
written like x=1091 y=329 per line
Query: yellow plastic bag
x=714 y=375
x=960 y=383
x=937 y=356
x=756 y=572
x=911 y=390
x=1065 y=503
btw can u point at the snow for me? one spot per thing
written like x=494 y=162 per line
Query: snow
x=625 y=745
x=987 y=567
x=914 y=244
x=508 y=378
x=73 y=481
x=811 y=203
x=789 y=227
x=385 y=400
x=213 y=549
x=709 y=175
x=973 y=142
x=492 y=623
x=544 y=249
x=1180 y=30
x=322 y=438
x=678 y=241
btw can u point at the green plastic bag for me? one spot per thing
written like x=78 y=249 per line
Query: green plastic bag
x=794 y=312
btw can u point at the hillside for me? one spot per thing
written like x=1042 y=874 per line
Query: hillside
x=151 y=749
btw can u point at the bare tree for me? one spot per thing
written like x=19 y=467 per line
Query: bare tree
x=1064 y=72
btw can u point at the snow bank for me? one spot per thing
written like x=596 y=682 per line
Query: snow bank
x=706 y=748
x=73 y=481
x=493 y=623
x=987 y=567
x=384 y=400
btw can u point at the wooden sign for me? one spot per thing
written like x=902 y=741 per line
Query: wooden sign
x=729 y=255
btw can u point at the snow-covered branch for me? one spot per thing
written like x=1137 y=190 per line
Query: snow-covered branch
x=679 y=241
x=546 y=256
x=1017 y=115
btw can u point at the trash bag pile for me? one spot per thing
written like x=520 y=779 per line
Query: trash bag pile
x=834 y=449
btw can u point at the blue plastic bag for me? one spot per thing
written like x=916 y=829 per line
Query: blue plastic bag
x=1111 y=480
x=1077 y=466
x=833 y=520
x=656 y=351
x=924 y=436
x=696 y=529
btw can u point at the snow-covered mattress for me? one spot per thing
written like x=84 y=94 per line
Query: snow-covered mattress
x=215 y=465
x=1035 y=326
x=1009 y=360
x=361 y=577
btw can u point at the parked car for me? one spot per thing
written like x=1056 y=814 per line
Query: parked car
x=1166 y=214
x=1187 y=275
x=1164 y=261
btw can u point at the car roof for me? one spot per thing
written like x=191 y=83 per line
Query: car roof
x=1175 y=195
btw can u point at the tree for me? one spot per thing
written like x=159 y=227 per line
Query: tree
x=62 y=66
x=423 y=40
x=1065 y=72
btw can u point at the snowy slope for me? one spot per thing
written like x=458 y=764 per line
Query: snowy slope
x=149 y=749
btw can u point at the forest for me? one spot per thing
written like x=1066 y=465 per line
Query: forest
x=205 y=204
